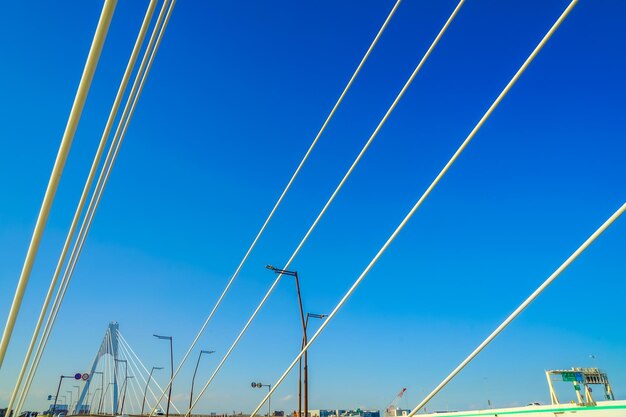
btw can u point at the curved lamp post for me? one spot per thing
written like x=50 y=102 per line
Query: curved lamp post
x=193 y=379
x=147 y=383
x=124 y=396
x=169 y=395
x=104 y=396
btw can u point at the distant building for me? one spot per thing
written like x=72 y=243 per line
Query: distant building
x=344 y=413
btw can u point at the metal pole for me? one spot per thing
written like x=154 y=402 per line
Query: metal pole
x=77 y=398
x=71 y=402
x=56 y=397
x=103 y=396
x=101 y=389
x=193 y=379
x=143 y=402
x=169 y=394
x=124 y=396
x=306 y=399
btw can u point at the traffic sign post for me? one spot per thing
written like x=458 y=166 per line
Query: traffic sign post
x=85 y=376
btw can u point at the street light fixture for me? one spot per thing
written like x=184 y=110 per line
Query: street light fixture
x=94 y=397
x=77 y=397
x=125 y=388
x=104 y=396
x=101 y=388
x=193 y=379
x=69 y=406
x=306 y=363
x=169 y=395
x=56 y=397
x=125 y=371
x=148 y=383
x=304 y=338
x=269 y=400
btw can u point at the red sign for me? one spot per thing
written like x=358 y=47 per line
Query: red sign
x=85 y=376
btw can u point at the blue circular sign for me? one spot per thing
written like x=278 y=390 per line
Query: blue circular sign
x=78 y=376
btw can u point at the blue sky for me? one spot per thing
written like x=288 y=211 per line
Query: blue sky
x=235 y=97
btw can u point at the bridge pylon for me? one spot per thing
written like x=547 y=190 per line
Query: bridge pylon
x=109 y=345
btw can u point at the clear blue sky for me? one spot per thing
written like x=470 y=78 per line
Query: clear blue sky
x=236 y=95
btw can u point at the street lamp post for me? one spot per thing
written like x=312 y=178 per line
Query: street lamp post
x=306 y=360
x=208 y=352
x=94 y=397
x=56 y=397
x=77 y=397
x=147 y=383
x=304 y=338
x=69 y=406
x=269 y=399
x=125 y=388
x=125 y=372
x=101 y=389
x=169 y=395
x=104 y=396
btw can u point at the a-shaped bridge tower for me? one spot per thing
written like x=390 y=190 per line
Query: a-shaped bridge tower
x=109 y=346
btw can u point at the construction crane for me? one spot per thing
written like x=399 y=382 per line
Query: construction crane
x=390 y=411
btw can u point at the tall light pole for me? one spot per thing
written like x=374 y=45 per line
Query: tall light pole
x=208 y=352
x=305 y=340
x=148 y=383
x=77 y=397
x=125 y=388
x=169 y=395
x=269 y=399
x=94 y=397
x=101 y=388
x=104 y=396
x=56 y=397
x=71 y=402
x=306 y=397
x=125 y=372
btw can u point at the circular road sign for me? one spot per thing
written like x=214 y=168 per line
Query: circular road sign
x=85 y=376
x=78 y=376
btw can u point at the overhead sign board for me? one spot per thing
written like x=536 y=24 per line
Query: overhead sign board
x=572 y=376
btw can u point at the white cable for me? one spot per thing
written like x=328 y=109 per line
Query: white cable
x=418 y=204
x=521 y=308
x=86 y=188
x=332 y=197
x=146 y=370
x=140 y=374
x=280 y=199
x=97 y=195
x=55 y=177
x=132 y=352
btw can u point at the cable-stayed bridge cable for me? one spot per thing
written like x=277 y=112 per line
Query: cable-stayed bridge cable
x=111 y=156
x=284 y=192
x=132 y=353
x=55 y=177
x=86 y=188
x=418 y=203
x=335 y=193
x=520 y=308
